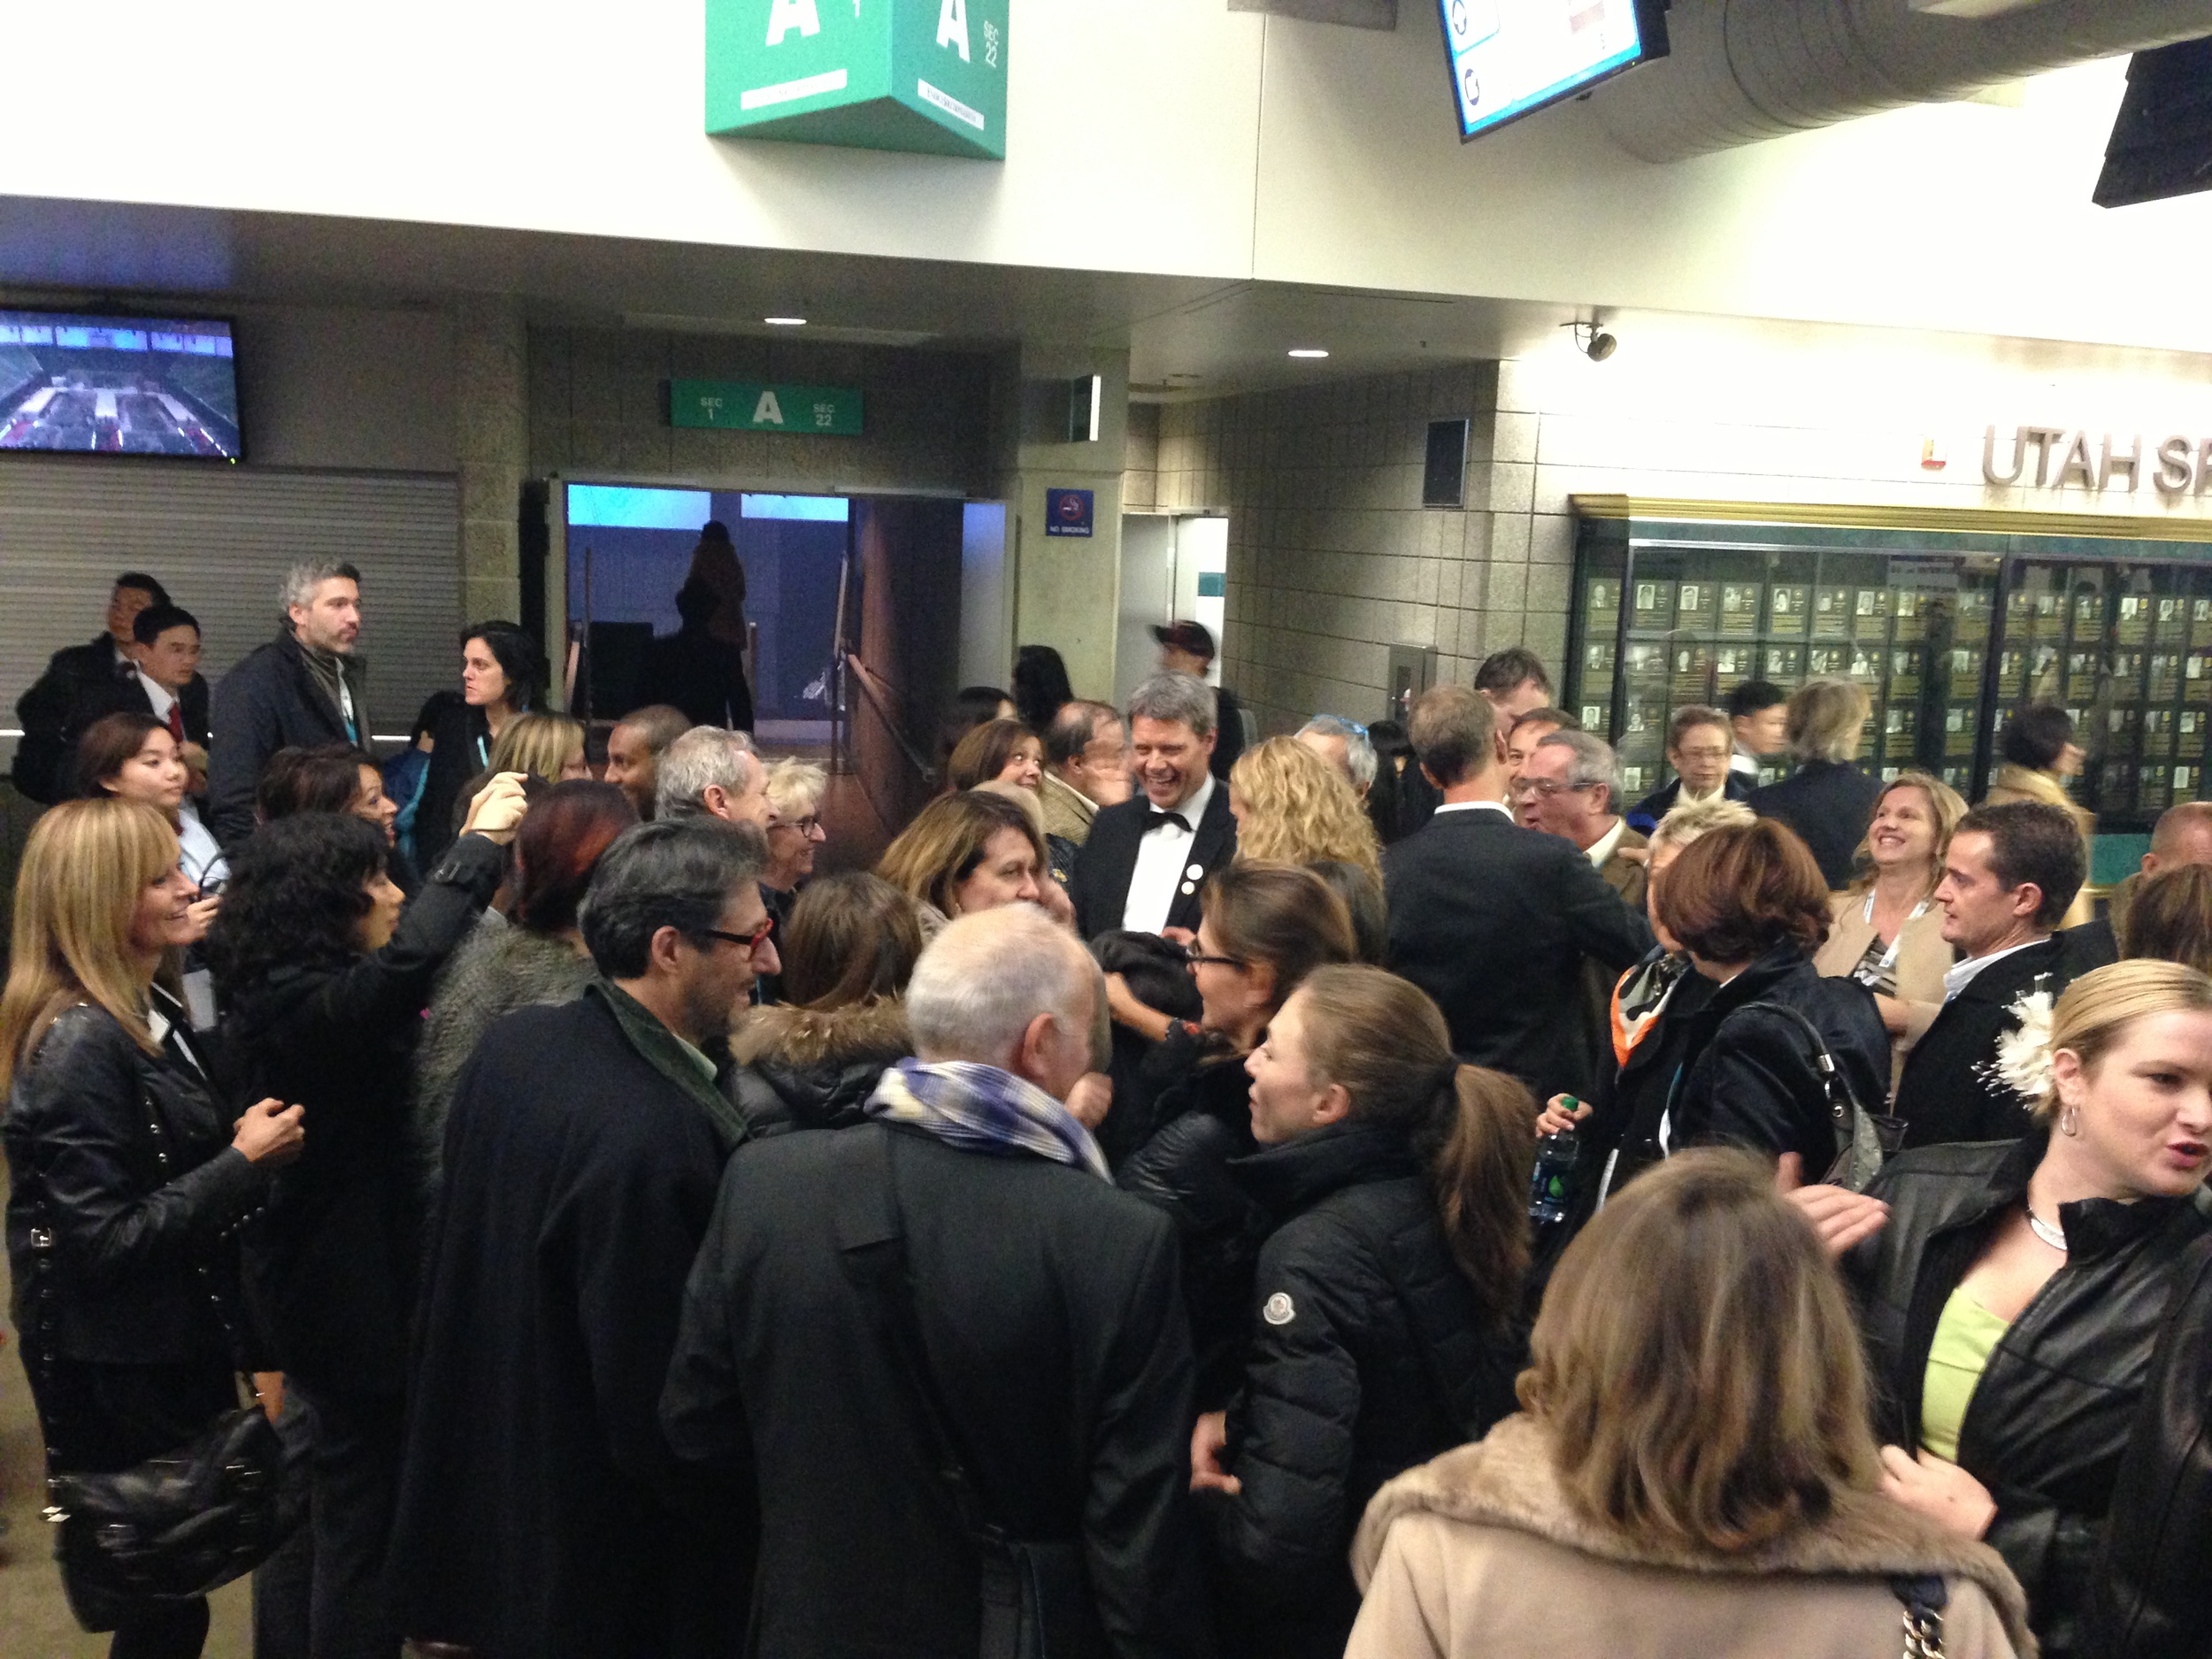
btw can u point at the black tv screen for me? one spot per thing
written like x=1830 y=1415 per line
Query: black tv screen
x=110 y=385
x=1512 y=57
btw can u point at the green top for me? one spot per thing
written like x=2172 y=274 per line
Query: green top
x=1965 y=1337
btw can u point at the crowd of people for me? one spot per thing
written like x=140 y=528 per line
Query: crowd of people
x=1370 y=1188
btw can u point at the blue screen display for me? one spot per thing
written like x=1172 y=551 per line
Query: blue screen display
x=118 y=385
x=1512 y=57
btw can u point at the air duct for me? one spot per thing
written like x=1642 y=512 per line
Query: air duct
x=1745 y=70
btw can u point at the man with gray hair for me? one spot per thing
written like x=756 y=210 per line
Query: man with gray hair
x=1147 y=858
x=1345 y=746
x=1569 y=785
x=946 y=1329
x=540 y=1510
x=711 y=772
x=307 y=687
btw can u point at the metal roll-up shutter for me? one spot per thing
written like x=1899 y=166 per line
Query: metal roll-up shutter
x=220 y=540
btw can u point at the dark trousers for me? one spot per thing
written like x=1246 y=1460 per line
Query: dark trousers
x=160 y=1629
x=284 y=1584
x=355 y=1441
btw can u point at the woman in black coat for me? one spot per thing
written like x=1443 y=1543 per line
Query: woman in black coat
x=502 y=675
x=1748 y=906
x=1385 y=1325
x=1263 y=928
x=324 y=983
x=127 y=1184
x=1828 y=799
x=2013 y=1299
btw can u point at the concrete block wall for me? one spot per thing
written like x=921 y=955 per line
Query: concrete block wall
x=1333 y=559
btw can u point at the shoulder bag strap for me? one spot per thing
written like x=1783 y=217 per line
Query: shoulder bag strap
x=1925 y=1598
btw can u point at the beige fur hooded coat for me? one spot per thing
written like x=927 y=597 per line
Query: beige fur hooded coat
x=1479 y=1553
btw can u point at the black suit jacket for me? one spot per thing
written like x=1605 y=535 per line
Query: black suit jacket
x=1644 y=817
x=1829 y=804
x=1100 y=884
x=1944 y=1094
x=1494 y=922
x=128 y=696
x=270 y=700
x=42 y=768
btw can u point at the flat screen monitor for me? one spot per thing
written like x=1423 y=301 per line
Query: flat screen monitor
x=110 y=385
x=1509 y=57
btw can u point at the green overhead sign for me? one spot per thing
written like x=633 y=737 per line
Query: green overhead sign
x=926 y=75
x=752 y=406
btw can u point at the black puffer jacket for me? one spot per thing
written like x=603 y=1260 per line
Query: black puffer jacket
x=1752 y=1080
x=797 y=1068
x=332 y=1267
x=2050 y=1418
x=122 y=1285
x=1369 y=1354
x=2151 y=1599
x=1206 y=1120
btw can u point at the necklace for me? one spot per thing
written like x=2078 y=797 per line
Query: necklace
x=2050 y=1232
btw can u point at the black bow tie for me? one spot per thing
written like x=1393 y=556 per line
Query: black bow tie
x=1161 y=815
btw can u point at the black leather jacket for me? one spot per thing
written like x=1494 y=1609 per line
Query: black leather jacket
x=134 y=1211
x=2049 y=1420
x=2153 y=1600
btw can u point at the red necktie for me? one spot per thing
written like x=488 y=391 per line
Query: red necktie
x=176 y=721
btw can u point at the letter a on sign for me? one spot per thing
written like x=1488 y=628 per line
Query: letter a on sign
x=786 y=15
x=952 y=27
x=768 y=409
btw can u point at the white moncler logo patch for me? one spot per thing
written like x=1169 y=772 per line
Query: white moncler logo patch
x=1279 y=1309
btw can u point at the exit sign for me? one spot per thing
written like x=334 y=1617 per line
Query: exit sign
x=751 y=406
x=926 y=75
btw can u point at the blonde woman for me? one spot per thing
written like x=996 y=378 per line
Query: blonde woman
x=1691 y=1472
x=971 y=851
x=1292 y=807
x=547 y=747
x=128 y=1182
x=1828 y=795
x=2011 y=1428
x=2041 y=760
x=1885 y=930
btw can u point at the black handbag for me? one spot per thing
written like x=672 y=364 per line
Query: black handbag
x=1864 y=1139
x=177 y=1526
x=1036 y=1594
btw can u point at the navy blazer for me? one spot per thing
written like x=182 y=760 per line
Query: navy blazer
x=1099 y=885
x=1644 y=817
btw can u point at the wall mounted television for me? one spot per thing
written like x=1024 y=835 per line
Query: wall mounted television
x=1511 y=57
x=106 y=384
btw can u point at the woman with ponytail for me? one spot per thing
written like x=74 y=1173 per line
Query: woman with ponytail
x=1387 y=1321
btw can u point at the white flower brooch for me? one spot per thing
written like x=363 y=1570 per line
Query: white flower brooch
x=2023 y=1053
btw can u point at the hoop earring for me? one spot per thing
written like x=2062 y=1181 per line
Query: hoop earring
x=2069 y=1121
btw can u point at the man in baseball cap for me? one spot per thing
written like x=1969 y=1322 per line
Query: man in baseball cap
x=1187 y=648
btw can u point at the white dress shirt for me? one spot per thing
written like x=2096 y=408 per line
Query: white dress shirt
x=1602 y=849
x=1163 y=868
x=158 y=694
x=1473 y=806
x=1962 y=974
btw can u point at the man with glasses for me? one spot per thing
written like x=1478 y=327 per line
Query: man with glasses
x=1523 y=734
x=1699 y=742
x=540 y=1510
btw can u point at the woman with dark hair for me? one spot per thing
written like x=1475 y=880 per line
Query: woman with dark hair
x=997 y=751
x=134 y=756
x=1388 y=1295
x=2041 y=759
x=1692 y=1473
x=2170 y=918
x=1362 y=897
x=1749 y=907
x=696 y=669
x=720 y=574
x=539 y=959
x=129 y=1181
x=971 y=852
x=334 y=778
x=407 y=772
x=1041 y=686
x=502 y=675
x=324 y=984
x=1262 y=928
x=811 y=1061
x=971 y=706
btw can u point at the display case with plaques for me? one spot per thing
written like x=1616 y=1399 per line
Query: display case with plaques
x=1946 y=631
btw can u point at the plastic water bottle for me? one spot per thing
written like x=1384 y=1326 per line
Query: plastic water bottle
x=1556 y=1156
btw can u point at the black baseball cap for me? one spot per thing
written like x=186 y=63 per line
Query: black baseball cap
x=1193 y=637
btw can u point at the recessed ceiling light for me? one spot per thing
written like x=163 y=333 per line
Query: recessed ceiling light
x=1308 y=351
x=785 y=322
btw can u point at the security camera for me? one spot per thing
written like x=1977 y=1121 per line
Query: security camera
x=1593 y=341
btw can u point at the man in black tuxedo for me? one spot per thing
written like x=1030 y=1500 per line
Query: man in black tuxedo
x=40 y=769
x=164 y=682
x=2011 y=872
x=1494 y=921
x=1148 y=857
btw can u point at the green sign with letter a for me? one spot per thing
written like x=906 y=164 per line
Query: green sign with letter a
x=748 y=406
x=925 y=75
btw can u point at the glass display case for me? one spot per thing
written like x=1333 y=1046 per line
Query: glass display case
x=1948 y=631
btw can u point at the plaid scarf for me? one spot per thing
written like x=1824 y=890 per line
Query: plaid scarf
x=981 y=1108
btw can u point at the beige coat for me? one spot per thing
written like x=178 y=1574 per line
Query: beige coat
x=2015 y=782
x=1923 y=957
x=1479 y=1553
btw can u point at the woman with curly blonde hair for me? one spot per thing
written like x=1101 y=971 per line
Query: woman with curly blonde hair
x=1292 y=807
